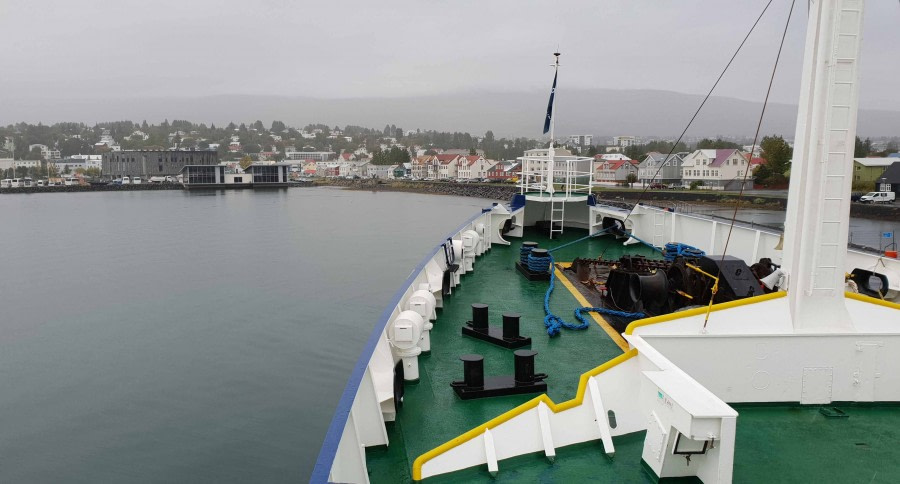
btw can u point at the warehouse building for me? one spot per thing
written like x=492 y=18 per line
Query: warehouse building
x=149 y=163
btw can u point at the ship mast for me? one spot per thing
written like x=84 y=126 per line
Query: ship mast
x=818 y=210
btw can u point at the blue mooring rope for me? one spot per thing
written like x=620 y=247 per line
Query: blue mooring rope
x=677 y=249
x=555 y=323
x=648 y=244
x=524 y=252
x=539 y=264
x=612 y=312
x=596 y=234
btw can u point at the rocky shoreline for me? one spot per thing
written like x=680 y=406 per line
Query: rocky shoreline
x=93 y=188
x=505 y=192
x=617 y=197
x=491 y=191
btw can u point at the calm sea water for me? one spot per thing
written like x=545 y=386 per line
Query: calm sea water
x=194 y=337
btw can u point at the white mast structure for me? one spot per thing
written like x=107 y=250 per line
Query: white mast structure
x=551 y=154
x=818 y=210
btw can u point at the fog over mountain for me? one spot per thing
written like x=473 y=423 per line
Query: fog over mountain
x=603 y=112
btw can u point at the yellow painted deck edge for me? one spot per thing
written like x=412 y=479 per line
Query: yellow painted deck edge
x=743 y=302
x=872 y=300
x=610 y=331
x=693 y=312
x=504 y=417
x=582 y=382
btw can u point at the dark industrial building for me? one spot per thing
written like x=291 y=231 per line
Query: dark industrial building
x=270 y=174
x=257 y=175
x=149 y=163
x=889 y=181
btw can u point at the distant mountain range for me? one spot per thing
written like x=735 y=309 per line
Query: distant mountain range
x=601 y=112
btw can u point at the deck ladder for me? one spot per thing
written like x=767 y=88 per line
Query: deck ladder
x=557 y=214
x=659 y=224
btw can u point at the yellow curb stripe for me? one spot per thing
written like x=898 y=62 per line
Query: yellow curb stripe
x=509 y=415
x=610 y=331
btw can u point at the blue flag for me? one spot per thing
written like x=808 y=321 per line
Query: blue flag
x=550 y=106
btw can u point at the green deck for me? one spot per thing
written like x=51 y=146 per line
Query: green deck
x=432 y=414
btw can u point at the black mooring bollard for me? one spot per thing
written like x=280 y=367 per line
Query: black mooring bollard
x=510 y=325
x=475 y=385
x=480 y=316
x=524 y=366
x=473 y=370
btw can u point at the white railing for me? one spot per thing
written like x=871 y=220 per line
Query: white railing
x=573 y=173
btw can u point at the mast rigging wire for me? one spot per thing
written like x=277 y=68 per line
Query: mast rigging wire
x=750 y=160
x=697 y=112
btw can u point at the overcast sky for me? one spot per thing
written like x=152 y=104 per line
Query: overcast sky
x=128 y=48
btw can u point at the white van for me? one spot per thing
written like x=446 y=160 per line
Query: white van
x=878 y=197
x=6 y=183
x=42 y=183
x=27 y=182
x=135 y=180
x=126 y=180
x=70 y=182
x=15 y=183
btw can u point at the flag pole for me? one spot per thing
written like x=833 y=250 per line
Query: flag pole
x=551 y=152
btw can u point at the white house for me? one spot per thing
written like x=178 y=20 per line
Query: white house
x=535 y=161
x=425 y=167
x=721 y=169
x=380 y=171
x=624 y=141
x=448 y=166
x=46 y=152
x=473 y=167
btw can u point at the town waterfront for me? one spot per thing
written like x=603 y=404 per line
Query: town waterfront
x=198 y=336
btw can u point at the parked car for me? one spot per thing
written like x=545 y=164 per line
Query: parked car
x=658 y=186
x=878 y=197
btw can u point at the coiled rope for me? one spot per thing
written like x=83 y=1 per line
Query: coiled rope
x=524 y=252
x=539 y=264
x=677 y=249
